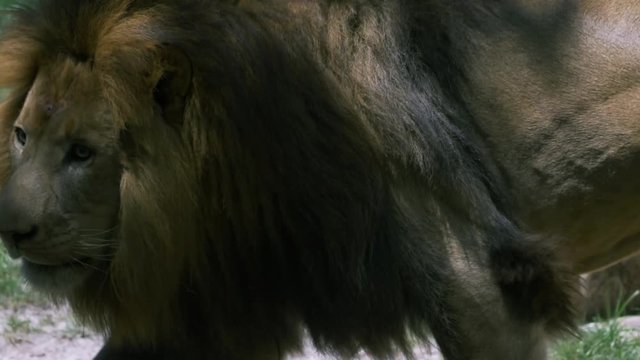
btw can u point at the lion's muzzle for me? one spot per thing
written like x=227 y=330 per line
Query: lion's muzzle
x=18 y=215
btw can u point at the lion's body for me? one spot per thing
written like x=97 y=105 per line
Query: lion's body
x=278 y=166
x=561 y=116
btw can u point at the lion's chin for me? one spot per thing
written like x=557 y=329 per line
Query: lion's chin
x=55 y=279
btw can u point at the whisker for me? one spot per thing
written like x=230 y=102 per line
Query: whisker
x=95 y=232
x=99 y=242
x=92 y=253
x=84 y=264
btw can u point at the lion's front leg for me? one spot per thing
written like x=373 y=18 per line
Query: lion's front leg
x=110 y=352
x=480 y=327
x=474 y=324
x=491 y=308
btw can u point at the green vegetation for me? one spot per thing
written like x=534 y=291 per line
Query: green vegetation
x=17 y=325
x=12 y=288
x=4 y=3
x=606 y=340
x=10 y=285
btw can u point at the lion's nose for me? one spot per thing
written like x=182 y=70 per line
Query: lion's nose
x=20 y=211
x=13 y=238
x=19 y=235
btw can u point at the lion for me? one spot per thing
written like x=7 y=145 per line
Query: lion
x=218 y=179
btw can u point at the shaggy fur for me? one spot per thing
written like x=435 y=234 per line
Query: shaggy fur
x=319 y=173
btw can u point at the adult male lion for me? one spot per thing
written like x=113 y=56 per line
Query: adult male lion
x=203 y=179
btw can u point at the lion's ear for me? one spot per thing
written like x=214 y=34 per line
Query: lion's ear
x=172 y=88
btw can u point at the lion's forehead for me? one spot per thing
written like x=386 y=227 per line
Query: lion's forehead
x=65 y=99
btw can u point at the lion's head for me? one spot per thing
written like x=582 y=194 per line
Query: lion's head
x=96 y=170
x=60 y=202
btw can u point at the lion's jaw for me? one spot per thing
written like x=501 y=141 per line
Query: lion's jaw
x=59 y=204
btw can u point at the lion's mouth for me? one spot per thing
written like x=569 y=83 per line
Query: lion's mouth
x=50 y=266
x=58 y=277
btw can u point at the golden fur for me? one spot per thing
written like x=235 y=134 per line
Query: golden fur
x=280 y=165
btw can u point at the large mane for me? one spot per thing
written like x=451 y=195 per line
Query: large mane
x=292 y=178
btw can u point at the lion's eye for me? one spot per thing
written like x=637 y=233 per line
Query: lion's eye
x=80 y=153
x=21 y=136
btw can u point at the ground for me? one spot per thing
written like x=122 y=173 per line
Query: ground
x=45 y=333
x=48 y=333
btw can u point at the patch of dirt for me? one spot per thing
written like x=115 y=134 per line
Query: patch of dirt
x=28 y=332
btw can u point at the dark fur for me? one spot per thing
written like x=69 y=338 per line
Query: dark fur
x=323 y=167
